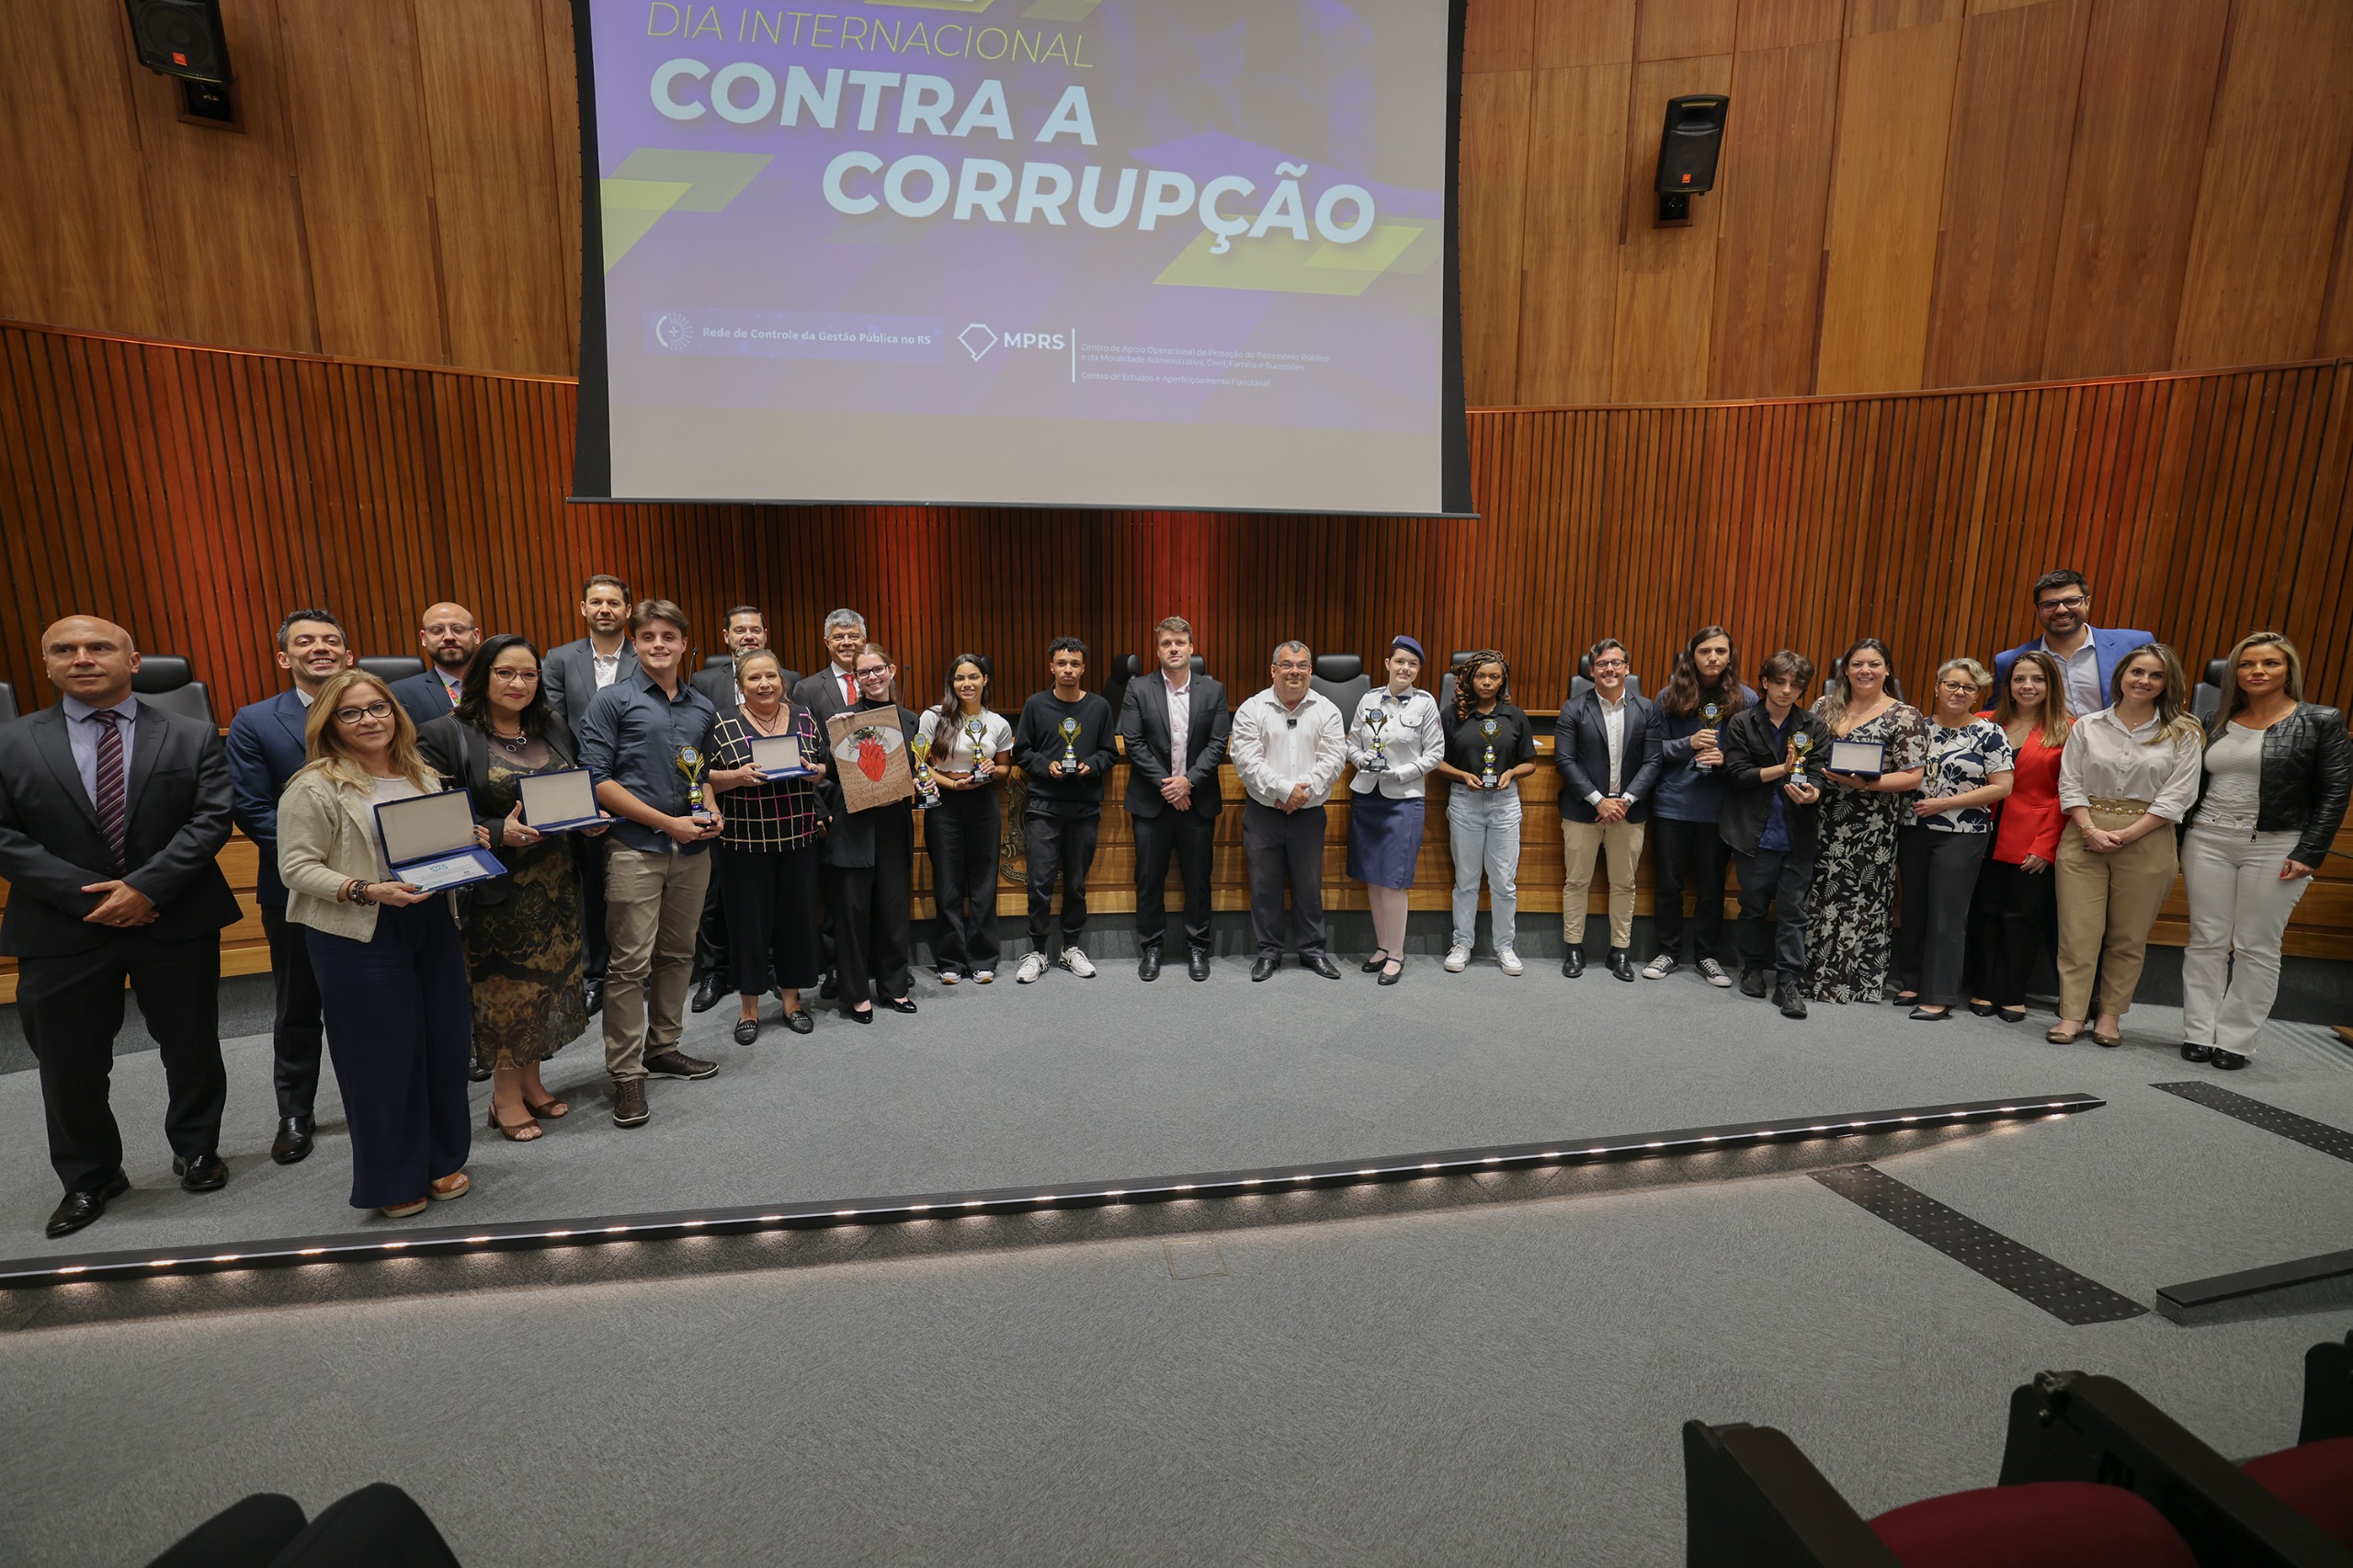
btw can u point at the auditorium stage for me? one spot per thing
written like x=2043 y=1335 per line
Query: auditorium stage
x=1071 y=1080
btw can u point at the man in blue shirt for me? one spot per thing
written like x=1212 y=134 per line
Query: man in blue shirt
x=1768 y=823
x=645 y=740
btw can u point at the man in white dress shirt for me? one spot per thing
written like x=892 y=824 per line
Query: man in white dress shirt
x=1289 y=744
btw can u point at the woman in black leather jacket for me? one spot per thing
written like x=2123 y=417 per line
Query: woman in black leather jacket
x=2278 y=773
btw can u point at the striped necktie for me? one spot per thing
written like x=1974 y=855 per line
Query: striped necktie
x=110 y=808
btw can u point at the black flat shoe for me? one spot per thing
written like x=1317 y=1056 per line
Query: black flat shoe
x=708 y=992
x=829 y=987
x=1921 y=1016
x=80 y=1208
x=854 y=1017
x=201 y=1173
x=1263 y=965
x=1983 y=1009
x=1752 y=984
x=1786 y=997
x=1621 y=963
x=1374 y=964
x=1322 y=964
x=1197 y=965
x=2228 y=1060
x=2196 y=1052
x=1389 y=976
x=746 y=1030
x=1148 y=964
x=293 y=1144
x=2010 y=1015
x=799 y=1021
x=592 y=993
x=903 y=1004
x=1573 y=963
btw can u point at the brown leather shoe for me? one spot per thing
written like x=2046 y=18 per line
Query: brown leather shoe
x=629 y=1102
x=676 y=1063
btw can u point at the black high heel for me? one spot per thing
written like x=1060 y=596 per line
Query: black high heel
x=1374 y=964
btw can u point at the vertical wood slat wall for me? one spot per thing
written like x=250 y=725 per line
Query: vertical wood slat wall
x=197 y=494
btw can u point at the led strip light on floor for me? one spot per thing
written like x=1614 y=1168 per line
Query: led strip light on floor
x=374 y=1245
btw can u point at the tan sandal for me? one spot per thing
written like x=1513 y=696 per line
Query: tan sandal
x=523 y=1132
x=550 y=1110
x=457 y=1184
x=2059 y=1034
x=402 y=1211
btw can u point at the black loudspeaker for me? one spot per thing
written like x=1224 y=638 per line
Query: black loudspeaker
x=1688 y=145
x=180 y=38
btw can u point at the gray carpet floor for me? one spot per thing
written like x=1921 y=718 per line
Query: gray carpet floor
x=1497 y=1381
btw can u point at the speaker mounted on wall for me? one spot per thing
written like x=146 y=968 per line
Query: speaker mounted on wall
x=181 y=38
x=1688 y=145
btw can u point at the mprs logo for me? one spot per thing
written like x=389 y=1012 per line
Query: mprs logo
x=978 y=339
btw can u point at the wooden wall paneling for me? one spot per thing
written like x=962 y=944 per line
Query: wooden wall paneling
x=357 y=110
x=2335 y=337
x=224 y=205
x=75 y=240
x=1498 y=35
x=1592 y=32
x=563 y=181
x=2150 y=68
x=1577 y=157
x=1493 y=188
x=1684 y=30
x=1785 y=24
x=1666 y=276
x=2273 y=186
x=2005 y=182
x=1886 y=192
x=1773 y=188
x=496 y=202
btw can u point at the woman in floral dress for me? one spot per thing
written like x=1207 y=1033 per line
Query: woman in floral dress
x=1851 y=926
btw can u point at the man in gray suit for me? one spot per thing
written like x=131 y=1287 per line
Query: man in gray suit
x=571 y=676
x=1173 y=796
x=111 y=814
x=833 y=690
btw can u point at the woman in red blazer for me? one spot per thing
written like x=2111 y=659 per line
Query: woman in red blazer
x=2009 y=925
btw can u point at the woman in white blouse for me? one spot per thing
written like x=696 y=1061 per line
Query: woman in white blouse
x=1395 y=739
x=2127 y=776
x=972 y=749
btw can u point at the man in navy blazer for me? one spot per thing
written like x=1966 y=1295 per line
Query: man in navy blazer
x=2088 y=654
x=1607 y=746
x=266 y=749
x=450 y=638
x=1172 y=797
x=113 y=816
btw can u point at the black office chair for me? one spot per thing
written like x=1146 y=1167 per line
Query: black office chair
x=2206 y=701
x=389 y=667
x=1446 y=685
x=1341 y=678
x=8 y=708
x=720 y=661
x=168 y=681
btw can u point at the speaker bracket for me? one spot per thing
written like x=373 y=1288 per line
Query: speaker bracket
x=1674 y=207
x=210 y=104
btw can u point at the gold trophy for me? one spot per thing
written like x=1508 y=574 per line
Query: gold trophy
x=1375 y=722
x=977 y=732
x=1710 y=713
x=1801 y=743
x=1487 y=763
x=927 y=787
x=1070 y=749
x=693 y=764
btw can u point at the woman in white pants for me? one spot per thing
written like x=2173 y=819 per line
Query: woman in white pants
x=2276 y=774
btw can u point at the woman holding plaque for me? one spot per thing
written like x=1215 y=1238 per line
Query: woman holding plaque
x=1850 y=906
x=870 y=866
x=1395 y=739
x=2010 y=922
x=391 y=972
x=1489 y=748
x=768 y=850
x=1969 y=770
x=2276 y=774
x=2128 y=776
x=1702 y=696
x=971 y=750
x=523 y=937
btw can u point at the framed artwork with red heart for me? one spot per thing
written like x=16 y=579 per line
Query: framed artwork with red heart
x=870 y=757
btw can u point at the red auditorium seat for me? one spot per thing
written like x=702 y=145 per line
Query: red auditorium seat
x=2046 y=1524
x=2314 y=1479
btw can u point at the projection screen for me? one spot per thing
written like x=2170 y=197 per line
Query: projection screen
x=1134 y=254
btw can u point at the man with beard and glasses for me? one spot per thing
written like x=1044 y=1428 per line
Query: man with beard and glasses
x=449 y=638
x=2087 y=654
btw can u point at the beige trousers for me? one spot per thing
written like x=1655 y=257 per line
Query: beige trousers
x=2107 y=904
x=1580 y=842
x=652 y=909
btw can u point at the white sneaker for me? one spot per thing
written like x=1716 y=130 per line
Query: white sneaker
x=1713 y=973
x=950 y=976
x=1660 y=967
x=1458 y=958
x=1508 y=962
x=1033 y=964
x=983 y=976
x=1075 y=961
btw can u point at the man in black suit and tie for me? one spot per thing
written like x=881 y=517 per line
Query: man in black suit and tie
x=833 y=690
x=746 y=629
x=112 y=812
x=1174 y=723
x=266 y=748
x=570 y=677
x=450 y=636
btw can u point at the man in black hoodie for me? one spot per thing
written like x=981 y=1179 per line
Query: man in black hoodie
x=1064 y=745
x=1768 y=823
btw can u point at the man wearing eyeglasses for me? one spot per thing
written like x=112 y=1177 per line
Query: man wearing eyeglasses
x=2088 y=654
x=451 y=639
x=112 y=812
x=1606 y=744
x=1288 y=743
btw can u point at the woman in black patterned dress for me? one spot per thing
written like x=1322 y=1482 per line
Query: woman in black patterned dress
x=523 y=935
x=1850 y=928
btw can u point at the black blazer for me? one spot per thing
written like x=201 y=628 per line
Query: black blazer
x=2307 y=778
x=1748 y=749
x=177 y=818
x=1144 y=725
x=568 y=680
x=423 y=695
x=461 y=754
x=1581 y=752
x=850 y=840
x=821 y=694
x=719 y=685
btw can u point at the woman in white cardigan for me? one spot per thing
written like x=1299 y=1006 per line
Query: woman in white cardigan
x=391 y=970
x=1395 y=739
